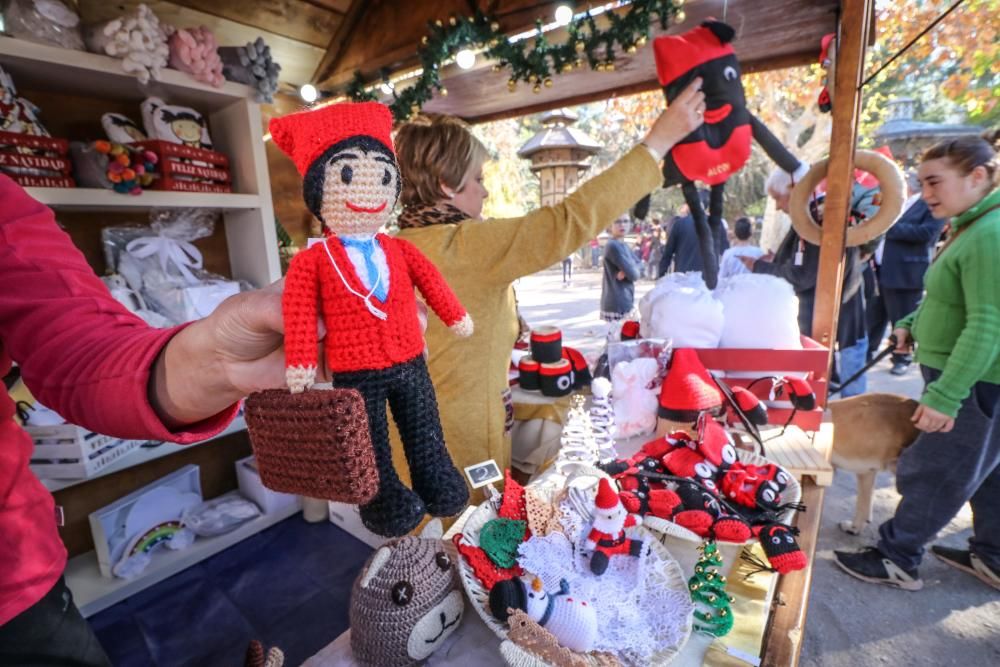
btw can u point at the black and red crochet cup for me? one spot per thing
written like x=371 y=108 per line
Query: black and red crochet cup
x=556 y=379
x=527 y=370
x=546 y=345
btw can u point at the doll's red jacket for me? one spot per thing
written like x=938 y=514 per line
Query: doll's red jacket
x=356 y=339
x=82 y=354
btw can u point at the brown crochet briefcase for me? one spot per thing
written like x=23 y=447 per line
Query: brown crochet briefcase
x=315 y=443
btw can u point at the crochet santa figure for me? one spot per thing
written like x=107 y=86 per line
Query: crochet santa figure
x=607 y=534
x=360 y=282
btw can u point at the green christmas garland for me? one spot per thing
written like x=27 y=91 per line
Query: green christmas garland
x=534 y=64
x=713 y=614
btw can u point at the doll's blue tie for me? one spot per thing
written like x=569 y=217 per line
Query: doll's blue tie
x=367 y=249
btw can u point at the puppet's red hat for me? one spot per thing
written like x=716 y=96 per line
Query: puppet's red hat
x=678 y=54
x=305 y=135
x=688 y=389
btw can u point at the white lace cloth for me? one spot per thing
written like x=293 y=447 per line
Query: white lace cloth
x=640 y=612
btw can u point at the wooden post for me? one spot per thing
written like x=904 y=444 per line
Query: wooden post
x=854 y=26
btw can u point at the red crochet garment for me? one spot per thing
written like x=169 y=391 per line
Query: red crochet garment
x=359 y=340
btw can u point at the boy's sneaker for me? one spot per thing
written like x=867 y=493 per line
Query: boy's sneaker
x=872 y=566
x=966 y=561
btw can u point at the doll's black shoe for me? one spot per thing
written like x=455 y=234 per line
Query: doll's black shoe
x=395 y=511
x=442 y=488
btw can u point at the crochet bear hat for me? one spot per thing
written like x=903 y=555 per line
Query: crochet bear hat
x=304 y=136
x=688 y=389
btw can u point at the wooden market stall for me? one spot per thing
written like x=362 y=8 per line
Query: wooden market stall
x=332 y=44
x=773 y=34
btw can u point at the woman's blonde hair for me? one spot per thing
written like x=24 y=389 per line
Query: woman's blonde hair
x=434 y=149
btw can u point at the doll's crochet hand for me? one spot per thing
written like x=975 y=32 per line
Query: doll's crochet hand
x=300 y=378
x=463 y=327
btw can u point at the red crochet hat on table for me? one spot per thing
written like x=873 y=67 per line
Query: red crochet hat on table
x=304 y=136
x=677 y=55
x=688 y=390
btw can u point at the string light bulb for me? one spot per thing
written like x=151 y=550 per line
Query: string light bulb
x=465 y=59
x=309 y=93
x=564 y=14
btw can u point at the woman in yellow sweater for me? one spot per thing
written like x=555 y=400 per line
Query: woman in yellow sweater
x=443 y=194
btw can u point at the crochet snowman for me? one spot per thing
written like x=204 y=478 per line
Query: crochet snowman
x=571 y=619
x=607 y=534
x=361 y=282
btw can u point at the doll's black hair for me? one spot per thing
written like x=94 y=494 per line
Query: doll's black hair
x=122 y=121
x=315 y=178
x=170 y=116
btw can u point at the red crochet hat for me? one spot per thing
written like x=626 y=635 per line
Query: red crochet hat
x=688 y=389
x=678 y=54
x=303 y=136
x=607 y=498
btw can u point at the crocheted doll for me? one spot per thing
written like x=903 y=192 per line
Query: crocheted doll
x=405 y=602
x=571 y=619
x=607 y=534
x=361 y=283
x=721 y=146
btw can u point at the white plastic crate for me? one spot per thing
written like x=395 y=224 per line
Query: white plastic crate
x=68 y=451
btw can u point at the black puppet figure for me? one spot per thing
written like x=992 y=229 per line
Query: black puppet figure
x=721 y=146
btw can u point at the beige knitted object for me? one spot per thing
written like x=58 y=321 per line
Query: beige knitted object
x=535 y=640
x=540 y=512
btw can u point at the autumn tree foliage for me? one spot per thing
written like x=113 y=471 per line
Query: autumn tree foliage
x=951 y=71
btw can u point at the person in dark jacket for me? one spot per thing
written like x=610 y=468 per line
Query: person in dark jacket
x=621 y=270
x=798 y=262
x=901 y=263
x=682 y=244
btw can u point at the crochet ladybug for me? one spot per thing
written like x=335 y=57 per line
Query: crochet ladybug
x=721 y=145
x=361 y=283
x=783 y=552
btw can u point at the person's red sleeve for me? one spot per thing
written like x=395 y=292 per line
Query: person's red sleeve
x=81 y=353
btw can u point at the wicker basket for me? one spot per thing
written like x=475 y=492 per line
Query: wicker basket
x=668 y=575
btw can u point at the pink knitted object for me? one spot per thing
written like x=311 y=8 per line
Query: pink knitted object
x=194 y=50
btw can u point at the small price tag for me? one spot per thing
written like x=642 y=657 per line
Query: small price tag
x=799 y=257
x=744 y=656
x=483 y=473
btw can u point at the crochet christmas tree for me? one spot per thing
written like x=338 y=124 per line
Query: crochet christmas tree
x=602 y=418
x=712 y=615
x=578 y=446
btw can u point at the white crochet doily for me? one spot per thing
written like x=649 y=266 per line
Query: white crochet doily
x=643 y=606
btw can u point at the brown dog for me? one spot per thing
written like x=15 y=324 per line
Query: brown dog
x=869 y=433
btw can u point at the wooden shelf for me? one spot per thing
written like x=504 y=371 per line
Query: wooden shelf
x=93 y=592
x=142 y=455
x=70 y=199
x=51 y=68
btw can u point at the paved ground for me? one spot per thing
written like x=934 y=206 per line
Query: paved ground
x=955 y=620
